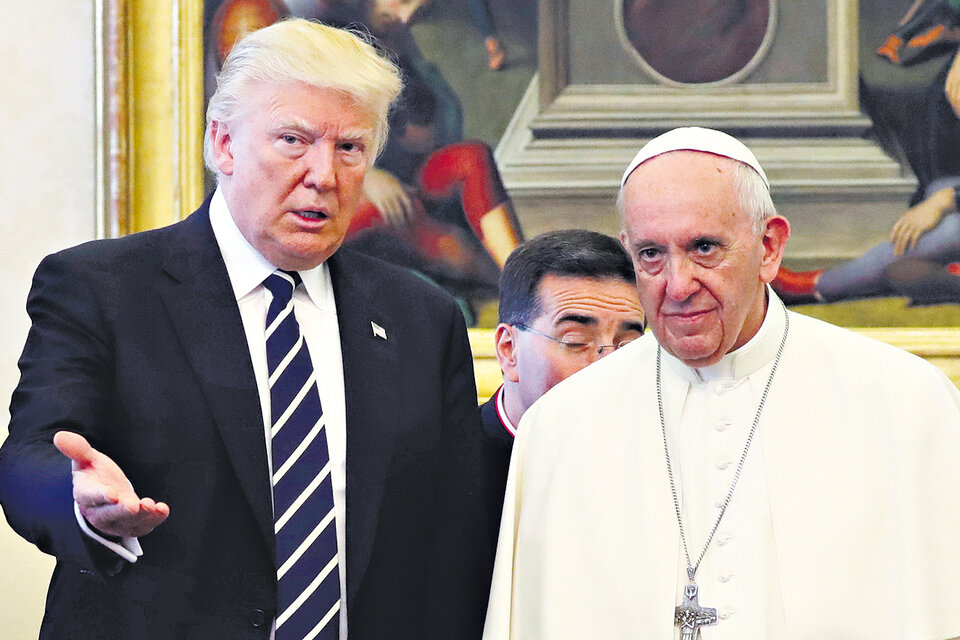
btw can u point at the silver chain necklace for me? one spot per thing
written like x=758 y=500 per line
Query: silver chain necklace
x=690 y=616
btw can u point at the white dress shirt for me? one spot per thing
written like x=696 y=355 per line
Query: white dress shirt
x=316 y=312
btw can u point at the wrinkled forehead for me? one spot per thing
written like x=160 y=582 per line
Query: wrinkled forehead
x=683 y=193
x=681 y=175
x=286 y=99
x=592 y=300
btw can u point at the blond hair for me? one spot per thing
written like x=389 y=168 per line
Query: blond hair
x=298 y=50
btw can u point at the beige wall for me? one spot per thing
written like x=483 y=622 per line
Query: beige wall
x=46 y=203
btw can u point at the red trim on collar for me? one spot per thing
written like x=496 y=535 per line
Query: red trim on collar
x=502 y=414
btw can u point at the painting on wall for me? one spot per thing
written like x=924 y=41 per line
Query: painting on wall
x=610 y=74
x=434 y=201
x=852 y=107
x=910 y=89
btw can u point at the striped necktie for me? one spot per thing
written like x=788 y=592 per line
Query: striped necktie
x=308 y=580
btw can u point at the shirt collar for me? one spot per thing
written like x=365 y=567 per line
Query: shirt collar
x=759 y=351
x=247 y=268
x=502 y=413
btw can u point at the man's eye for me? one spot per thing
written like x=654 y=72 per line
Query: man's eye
x=704 y=247
x=576 y=345
x=649 y=254
x=351 y=147
x=289 y=138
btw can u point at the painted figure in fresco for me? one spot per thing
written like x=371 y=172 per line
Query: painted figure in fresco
x=724 y=36
x=479 y=11
x=432 y=202
x=921 y=258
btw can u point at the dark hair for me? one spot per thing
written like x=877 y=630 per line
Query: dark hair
x=575 y=253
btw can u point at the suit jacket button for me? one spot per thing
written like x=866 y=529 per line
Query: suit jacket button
x=258 y=617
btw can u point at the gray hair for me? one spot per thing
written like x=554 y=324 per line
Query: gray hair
x=298 y=50
x=752 y=196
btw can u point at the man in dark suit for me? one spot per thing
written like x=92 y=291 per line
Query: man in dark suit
x=302 y=418
x=567 y=298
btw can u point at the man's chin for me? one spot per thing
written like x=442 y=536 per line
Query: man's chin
x=693 y=351
x=301 y=258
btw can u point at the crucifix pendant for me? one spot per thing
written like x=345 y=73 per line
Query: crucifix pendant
x=690 y=616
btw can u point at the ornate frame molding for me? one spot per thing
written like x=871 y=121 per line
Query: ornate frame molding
x=941 y=347
x=149 y=94
x=733 y=78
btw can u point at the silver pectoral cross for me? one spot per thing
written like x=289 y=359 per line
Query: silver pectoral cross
x=690 y=616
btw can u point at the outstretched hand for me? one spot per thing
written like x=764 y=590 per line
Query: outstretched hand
x=104 y=494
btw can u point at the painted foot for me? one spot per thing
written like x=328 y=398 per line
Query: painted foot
x=797 y=287
x=496 y=54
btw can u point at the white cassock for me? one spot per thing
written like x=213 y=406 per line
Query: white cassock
x=845 y=523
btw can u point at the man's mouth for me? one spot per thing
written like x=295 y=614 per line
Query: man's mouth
x=312 y=214
x=688 y=315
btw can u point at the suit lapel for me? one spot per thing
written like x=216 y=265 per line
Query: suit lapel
x=207 y=321
x=369 y=377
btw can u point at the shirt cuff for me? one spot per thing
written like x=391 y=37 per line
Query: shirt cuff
x=127 y=548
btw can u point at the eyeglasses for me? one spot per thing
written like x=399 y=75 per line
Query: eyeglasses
x=580 y=348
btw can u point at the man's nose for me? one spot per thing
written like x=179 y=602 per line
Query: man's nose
x=682 y=280
x=321 y=170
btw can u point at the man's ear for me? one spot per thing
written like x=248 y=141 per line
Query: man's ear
x=221 y=142
x=504 y=339
x=776 y=232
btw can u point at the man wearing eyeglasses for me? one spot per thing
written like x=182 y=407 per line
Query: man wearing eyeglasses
x=567 y=298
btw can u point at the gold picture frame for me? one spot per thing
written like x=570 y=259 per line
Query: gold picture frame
x=149 y=153
x=149 y=95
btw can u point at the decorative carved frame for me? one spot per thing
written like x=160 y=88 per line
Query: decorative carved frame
x=733 y=78
x=149 y=74
x=149 y=94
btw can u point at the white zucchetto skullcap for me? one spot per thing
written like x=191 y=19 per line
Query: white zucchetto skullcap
x=695 y=139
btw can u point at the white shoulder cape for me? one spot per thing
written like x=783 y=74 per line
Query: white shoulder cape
x=861 y=442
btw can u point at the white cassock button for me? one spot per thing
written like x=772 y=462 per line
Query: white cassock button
x=723 y=464
x=726 y=613
x=718 y=503
x=725 y=577
x=724 y=539
x=723 y=425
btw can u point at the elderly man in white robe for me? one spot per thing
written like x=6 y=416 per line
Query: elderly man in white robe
x=744 y=472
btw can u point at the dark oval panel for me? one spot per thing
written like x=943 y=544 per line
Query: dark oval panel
x=696 y=41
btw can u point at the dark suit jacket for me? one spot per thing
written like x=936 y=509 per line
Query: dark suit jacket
x=137 y=344
x=493 y=428
x=498 y=444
